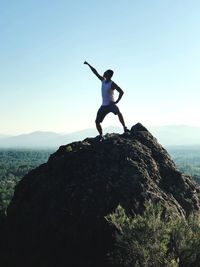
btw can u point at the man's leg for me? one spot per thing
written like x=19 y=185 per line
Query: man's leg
x=103 y=110
x=99 y=129
x=116 y=111
x=121 y=119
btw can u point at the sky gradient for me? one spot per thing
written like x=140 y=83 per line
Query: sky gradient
x=152 y=46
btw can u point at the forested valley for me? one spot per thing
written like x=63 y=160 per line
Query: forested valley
x=14 y=164
x=187 y=159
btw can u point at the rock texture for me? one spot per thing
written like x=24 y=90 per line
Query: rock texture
x=56 y=217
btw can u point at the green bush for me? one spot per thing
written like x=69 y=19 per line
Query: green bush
x=151 y=241
x=185 y=240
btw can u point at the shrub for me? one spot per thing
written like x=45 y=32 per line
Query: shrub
x=149 y=241
x=185 y=240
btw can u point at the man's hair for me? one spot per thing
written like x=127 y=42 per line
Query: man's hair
x=111 y=72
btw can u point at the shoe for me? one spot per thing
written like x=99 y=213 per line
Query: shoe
x=126 y=130
x=99 y=138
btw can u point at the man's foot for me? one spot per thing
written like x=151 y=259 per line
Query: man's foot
x=99 y=138
x=126 y=130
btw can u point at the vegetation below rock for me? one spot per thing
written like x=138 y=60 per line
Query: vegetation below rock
x=152 y=240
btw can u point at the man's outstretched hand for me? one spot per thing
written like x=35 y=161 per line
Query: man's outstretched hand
x=94 y=71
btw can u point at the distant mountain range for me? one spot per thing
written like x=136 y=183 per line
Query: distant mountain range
x=176 y=135
x=166 y=135
x=42 y=139
x=3 y=136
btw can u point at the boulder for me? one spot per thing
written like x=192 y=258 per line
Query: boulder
x=57 y=215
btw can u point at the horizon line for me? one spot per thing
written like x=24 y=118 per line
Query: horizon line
x=2 y=134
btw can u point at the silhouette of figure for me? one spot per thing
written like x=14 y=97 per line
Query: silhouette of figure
x=108 y=102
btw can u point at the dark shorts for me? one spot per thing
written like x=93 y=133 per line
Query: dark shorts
x=104 y=110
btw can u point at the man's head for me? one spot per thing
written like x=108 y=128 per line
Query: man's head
x=108 y=74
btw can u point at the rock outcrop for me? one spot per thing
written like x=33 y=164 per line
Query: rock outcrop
x=56 y=217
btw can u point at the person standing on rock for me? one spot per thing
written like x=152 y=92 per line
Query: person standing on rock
x=108 y=103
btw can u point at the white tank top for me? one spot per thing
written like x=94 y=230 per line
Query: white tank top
x=107 y=93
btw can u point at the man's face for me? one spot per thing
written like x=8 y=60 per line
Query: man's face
x=107 y=75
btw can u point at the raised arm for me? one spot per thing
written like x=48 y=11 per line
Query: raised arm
x=121 y=92
x=94 y=71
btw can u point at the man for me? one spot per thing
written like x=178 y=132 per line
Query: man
x=108 y=102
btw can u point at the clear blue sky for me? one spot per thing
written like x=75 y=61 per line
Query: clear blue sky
x=153 y=47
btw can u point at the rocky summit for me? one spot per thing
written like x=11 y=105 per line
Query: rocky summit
x=57 y=215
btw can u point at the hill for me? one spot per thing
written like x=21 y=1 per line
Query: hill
x=57 y=214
